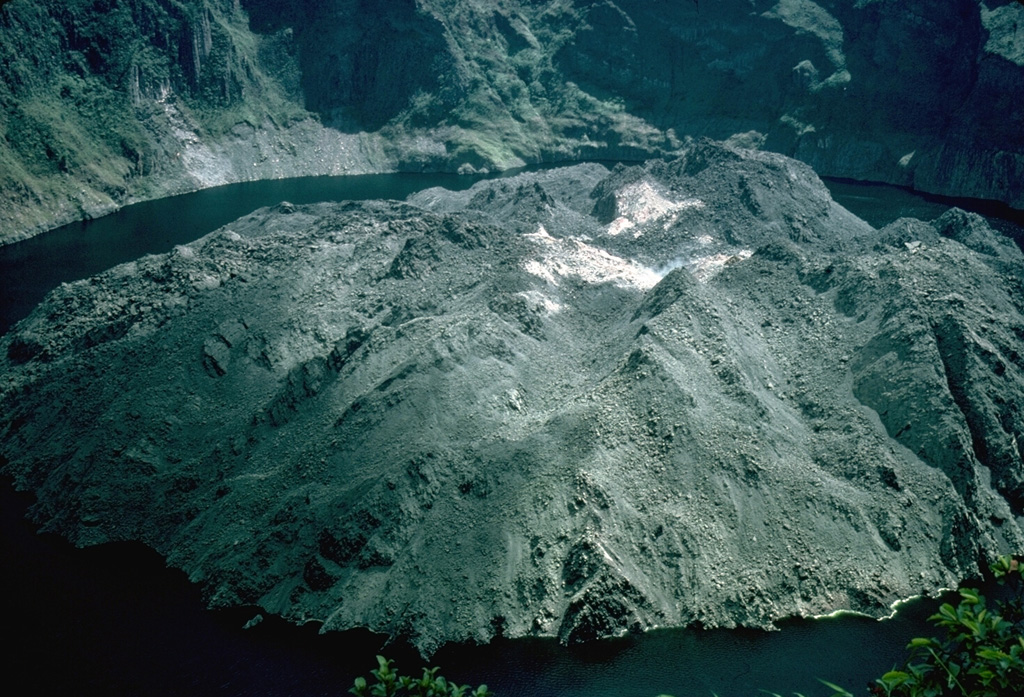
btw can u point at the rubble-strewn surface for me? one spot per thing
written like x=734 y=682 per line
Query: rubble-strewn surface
x=574 y=403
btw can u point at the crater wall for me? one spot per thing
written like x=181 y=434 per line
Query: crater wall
x=102 y=104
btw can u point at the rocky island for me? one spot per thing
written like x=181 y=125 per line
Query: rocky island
x=576 y=402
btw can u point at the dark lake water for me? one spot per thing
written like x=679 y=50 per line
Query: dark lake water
x=32 y=268
x=880 y=204
x=114 y=621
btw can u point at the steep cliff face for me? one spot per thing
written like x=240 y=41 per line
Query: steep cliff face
x=364 y=63
x=105 y=102
x=156 y=96
x=573 y=403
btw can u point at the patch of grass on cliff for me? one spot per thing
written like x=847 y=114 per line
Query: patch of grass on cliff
x=70 y=74
x=502 y=149
x=234 y=89
x=48 y=140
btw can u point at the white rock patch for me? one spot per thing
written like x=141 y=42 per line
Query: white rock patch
x=640 y=203
x=573 y=258
x=538 y=299
x=706 y=268
x=198 y=159
x=1005 y=27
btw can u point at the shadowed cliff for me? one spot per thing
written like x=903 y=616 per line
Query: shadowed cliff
x=151 y=97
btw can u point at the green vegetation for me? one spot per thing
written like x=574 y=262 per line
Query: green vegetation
x=389 y=683
x=982 y=653
x=89 y=88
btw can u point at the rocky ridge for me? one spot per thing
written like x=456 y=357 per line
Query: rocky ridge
x=155 y=97
x=571 y=403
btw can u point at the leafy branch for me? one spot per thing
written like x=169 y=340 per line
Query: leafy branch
x=981 y=655
x=390 y=684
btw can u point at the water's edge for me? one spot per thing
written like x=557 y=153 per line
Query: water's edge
x=33 y=267
x=115 y=620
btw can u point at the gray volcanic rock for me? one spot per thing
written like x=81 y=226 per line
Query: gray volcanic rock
x=105 y=104
x=571 y=403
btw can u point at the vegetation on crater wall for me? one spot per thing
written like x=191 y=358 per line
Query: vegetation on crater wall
x=442 y=84
x=981 y=654
x=83 y=85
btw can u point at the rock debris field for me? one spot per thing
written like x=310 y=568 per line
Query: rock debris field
x=573 y=403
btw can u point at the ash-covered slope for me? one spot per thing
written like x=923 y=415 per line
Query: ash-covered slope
x=571 y=403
